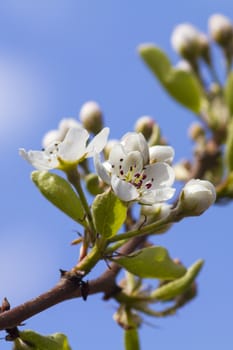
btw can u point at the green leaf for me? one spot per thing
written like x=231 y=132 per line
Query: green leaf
x=60 y=193
x=131 y=339
x=31 y=340
x=229 y=146
x=180 y=285
x=183 y=86
x=152 y=262
x=109 y=213
x=228 y=92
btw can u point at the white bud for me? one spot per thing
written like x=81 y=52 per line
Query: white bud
x=145 y=125
x=184 y=65
x=221 y=29
x=185 y=41
x=91 y=117
x=196 y=197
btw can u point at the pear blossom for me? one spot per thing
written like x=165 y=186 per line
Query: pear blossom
x=131 y=175
x=67 y=153
x=197 y=196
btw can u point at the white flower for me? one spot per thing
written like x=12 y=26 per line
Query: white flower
x=197 y=196
x=69 y=152
x=60 y=133
x=131 y=176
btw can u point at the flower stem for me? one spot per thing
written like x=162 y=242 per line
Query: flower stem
x=74 y=178
x=92 y=258
x=148 y=229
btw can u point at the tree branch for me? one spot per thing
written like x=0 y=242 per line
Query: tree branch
x=68 y=288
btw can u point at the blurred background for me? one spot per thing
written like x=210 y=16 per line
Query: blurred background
x=54 y=56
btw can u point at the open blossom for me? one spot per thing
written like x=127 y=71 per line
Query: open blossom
x=132 y=177
x=69 y=152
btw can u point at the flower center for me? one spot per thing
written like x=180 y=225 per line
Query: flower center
x=138 y=178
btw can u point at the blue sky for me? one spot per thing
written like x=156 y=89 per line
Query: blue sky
x=54 y=56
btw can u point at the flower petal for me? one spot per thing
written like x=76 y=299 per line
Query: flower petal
x=101 y=170
x=124 y=190
x=133 y=163
x=39 y=159
x=133 y=141
x=161 y=173
x=98 y=143
x=161 y=154
x=73 y=148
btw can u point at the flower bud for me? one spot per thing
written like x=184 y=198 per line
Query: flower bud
x=185 y=41
x=144 y=125
x=184 y=65
x=204 y=48
x=196 y=197
x=109 y=145
x=196 y=131
x=221 y=29
x=91 y=117
x=182 y=170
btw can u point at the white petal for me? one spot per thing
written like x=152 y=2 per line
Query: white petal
x=163 y=194
x=133 y=141
x=73 y=147
x=161 y=154
x=50 y=137
x=133 y=162
x=101 y=170
x=124 y=190
x=98 y=143
x=39 y=159
x=116 y=158
x=162 y=174
x=148 y=197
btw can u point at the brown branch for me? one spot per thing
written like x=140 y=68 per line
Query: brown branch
x=67 y=288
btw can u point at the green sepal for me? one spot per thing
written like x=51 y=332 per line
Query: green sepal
x=109 y=213
x=180 y=285
x=182 y=85
x=229 y=146
x=152 y=262
x=131 y=339
x=60 y=193
x=228 y=92
x=30 y=340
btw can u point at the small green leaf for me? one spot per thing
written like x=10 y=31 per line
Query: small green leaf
x=31 y=340
x=131 y=339
x=60 y=193
x=180 y=285
x=228 y=92
x=151 y=262
x=109 y=213
x=183 y=86
x=229 y=146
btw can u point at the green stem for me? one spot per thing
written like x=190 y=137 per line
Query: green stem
x=92 y=258
x=148 y=229
x=74 y=178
